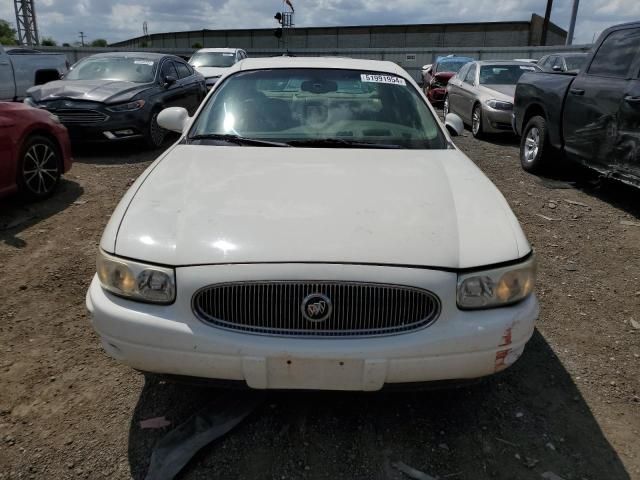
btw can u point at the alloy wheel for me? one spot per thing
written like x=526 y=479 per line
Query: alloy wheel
x=531 y=145
x=40 y=169
x=476 y=121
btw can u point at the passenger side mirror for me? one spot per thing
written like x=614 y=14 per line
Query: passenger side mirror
x=454 y=124
x=174 y=119
x=169 y=80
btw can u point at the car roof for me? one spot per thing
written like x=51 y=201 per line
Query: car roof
x=141 y=55
x=320 y=62
x=222 y=50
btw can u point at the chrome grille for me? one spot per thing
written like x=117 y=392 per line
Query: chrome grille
x=85 y=117
x=275 y=308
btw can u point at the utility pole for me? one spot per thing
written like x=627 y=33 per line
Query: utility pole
x=572 y=24
x=26 y=22
x=82 y=38
x=545 y=25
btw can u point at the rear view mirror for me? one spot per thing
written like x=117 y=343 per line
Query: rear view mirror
x=454 y=124
x=174 y=119
x=556 y=68
x=169 y=80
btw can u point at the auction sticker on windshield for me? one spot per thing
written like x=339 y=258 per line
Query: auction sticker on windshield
x=366 y=77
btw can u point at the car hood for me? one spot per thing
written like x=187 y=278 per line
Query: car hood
x=500 y=92
x=208 y=72
x=214 y=205
x=93 y=90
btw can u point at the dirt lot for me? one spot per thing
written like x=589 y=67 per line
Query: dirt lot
x=570 y=405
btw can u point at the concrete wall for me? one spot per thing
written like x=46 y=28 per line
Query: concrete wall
x=411 y=59
x=453 y=35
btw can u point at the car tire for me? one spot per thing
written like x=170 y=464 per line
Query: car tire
x=39 y=168
x=476 y=122
x=155 y=135
x=534 y=145
x=445 y=106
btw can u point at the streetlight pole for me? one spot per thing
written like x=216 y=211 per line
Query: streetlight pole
x=545 y=25
x=81 y=38
x=572 y=24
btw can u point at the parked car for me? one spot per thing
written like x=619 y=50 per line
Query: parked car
x=563 y=62
x=592 y=117
x=21 y=69
x=34 y=151
x=117 y=96
x=213 y=62
x=442 y=71
x=482 y=94
x=314 y=228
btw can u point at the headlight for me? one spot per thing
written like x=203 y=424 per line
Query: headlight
x=497 y=287
x=29 y=101
x=137 y=281
x=499 y=105
x=127 y=107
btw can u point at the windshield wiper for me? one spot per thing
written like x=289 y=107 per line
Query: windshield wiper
x=237 y=139
x=339 y=143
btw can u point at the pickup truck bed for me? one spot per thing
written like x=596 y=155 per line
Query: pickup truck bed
x=20 y=71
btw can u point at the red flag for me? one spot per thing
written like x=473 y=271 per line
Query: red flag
x=288 y=2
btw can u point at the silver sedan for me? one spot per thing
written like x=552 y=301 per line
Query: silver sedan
x=482 y=94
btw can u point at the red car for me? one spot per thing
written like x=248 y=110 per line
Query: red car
x=437 y=88
x=34 y=151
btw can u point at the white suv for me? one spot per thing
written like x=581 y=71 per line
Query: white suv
x=212 y=63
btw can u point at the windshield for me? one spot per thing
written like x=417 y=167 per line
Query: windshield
x=127 y=69
x=325 y=106
x=575 y=63
x=451 y=66
x=503 y=74
x=213 y=59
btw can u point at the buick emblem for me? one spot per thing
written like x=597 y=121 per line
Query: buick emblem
x=316 y=307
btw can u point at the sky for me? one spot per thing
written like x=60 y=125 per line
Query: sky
x=118 y=20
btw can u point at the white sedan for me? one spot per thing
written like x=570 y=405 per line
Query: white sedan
x=314 y=228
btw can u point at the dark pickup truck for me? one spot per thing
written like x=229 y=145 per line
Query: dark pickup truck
x=592 y=117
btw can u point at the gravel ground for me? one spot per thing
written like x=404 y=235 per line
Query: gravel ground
x=570 y=405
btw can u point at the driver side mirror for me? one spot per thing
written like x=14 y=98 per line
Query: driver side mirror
x=169 y=80
x=174 y=119
x=454 y=124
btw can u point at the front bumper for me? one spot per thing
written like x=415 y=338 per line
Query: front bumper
x=496 y=121
x=171 y=340
x=117 y=126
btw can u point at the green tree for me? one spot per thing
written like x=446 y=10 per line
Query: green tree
x=196 y=45
x=99 y=42
x=7 y=33
x=143 y=44
x=48 y=42
x=66 y=45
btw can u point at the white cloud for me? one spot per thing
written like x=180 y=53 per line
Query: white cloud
x=62 y=19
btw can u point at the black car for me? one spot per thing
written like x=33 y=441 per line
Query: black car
x=563 y=62
x=593 y=117
x=117 y=96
